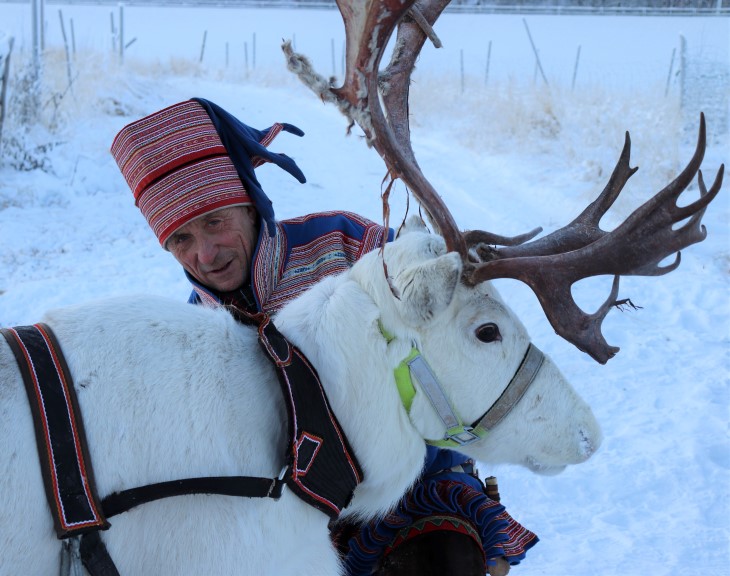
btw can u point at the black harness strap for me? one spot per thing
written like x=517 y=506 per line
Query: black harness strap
x=95 y=557
x=246 y=486
x=94 y=554
x=324 y=470
x=60 y=438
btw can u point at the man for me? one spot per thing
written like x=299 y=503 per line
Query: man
x=191 y=169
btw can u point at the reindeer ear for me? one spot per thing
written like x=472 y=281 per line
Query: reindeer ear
x=412 y=224
x=427 y=288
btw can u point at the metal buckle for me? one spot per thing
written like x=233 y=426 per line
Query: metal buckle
x=278 y=484
x=464 y=437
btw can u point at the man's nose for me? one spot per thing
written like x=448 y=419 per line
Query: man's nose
x=207 y=251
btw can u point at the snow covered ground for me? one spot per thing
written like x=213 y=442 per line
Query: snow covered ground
x=506 y=157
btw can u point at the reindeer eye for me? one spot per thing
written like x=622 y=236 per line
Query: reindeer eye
x=488 y=333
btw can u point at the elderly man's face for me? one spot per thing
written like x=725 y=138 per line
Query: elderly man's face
x=217 y=248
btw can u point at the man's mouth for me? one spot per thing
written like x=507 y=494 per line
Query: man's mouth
x=220 y=270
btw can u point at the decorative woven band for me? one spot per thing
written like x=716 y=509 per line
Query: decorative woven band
x=159 y=143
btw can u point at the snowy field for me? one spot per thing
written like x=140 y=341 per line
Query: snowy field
x=506 y=156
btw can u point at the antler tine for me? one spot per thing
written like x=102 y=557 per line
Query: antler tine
x=481 y=241
x=394 y=145
x=395 y=81
x=634 y=248
x=580 y=232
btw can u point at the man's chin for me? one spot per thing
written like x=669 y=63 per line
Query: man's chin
x=225 y=286
x=224 y=281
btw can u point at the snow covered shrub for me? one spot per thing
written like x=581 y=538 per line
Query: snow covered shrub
x=42 y=104
x=22 y=113
x=22 y=153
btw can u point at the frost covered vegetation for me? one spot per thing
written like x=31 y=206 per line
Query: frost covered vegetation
x=580 y=128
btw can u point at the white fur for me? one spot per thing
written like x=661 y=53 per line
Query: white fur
x=170 y=390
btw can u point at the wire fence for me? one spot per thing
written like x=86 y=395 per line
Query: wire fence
x=6 y=49
x=697 y=79
x=575 y=7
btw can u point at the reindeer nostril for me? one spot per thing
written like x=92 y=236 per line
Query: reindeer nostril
x=587 y=444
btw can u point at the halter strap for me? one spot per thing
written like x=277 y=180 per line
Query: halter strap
x=456 y=433
x=521 y=381
x=415 y=366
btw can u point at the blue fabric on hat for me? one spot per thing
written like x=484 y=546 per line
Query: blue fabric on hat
x=243 y=143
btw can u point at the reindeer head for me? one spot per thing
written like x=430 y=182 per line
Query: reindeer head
x=549 y=265
x=515 y=410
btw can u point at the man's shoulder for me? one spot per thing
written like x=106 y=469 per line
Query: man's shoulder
x=354 y=226
x=333 y=219
x=305 y=229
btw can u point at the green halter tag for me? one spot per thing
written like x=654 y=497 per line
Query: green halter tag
x=457 y=434
x=403 y=381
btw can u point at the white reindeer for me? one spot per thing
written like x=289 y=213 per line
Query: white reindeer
x=171 y=391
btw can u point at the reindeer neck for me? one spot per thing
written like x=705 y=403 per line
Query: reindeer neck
x=335 y=324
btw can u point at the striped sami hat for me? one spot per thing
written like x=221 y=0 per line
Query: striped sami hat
x=178 y=167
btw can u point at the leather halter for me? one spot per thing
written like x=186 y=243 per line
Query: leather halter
x=414 y=366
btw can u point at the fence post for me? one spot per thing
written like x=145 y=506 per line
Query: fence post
x=68 y=51
x=461 y=67
x=114 y=32
x=36 y=35
x=121 y=33
x=682 y=72
x=534 y=49
x=33 y=96
x=669 y=75
x=202 y=47
x=489 y=57
x=575 y=68
x=245 y=57
x=42 y=21
x=4 y=78
x=73 y=38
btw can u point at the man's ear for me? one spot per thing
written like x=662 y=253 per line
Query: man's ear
x=252 y=219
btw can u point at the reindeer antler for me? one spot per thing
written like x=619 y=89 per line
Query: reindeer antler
x=549 y=265
x=368 y=26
